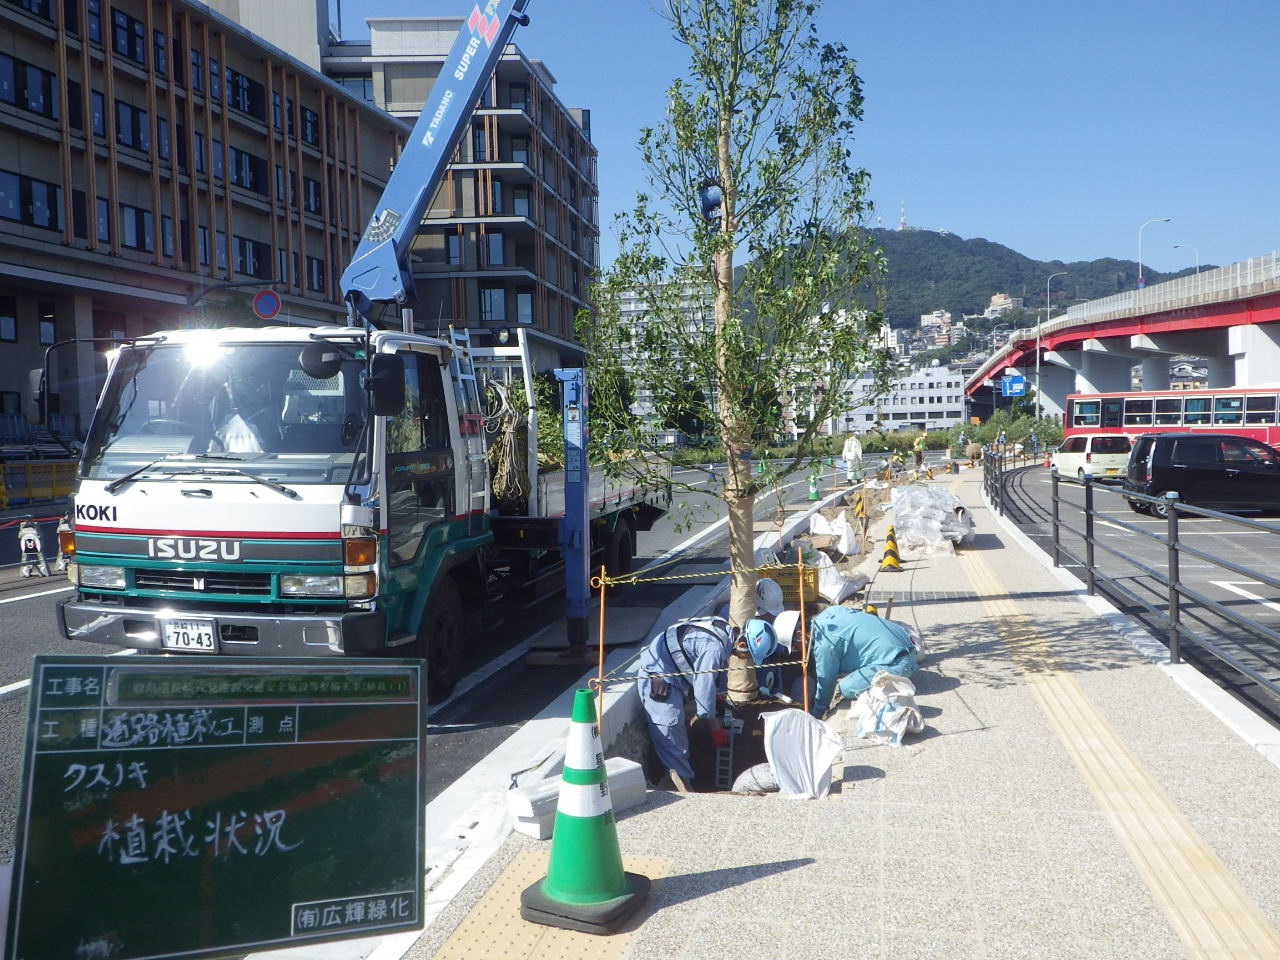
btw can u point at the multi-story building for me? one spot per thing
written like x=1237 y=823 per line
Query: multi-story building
x=511 y=239
x=931 y=398
x=161 y=165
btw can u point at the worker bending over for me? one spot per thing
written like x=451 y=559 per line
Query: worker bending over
x=847 y=648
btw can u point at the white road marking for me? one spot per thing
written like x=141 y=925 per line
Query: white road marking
x=1234 y=587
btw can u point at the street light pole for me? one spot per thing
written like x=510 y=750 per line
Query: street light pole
x=1177 y=246
x=1140 y=229
x=1039 y=396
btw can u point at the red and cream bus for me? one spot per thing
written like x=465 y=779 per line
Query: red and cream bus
x=1246 y=411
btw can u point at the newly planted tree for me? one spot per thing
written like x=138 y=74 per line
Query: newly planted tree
x=737 y=268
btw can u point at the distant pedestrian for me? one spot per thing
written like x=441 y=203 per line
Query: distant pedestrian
x=852 y=456
x=1002 y=440
x=920 y=446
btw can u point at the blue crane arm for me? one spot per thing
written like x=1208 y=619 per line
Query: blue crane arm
x=380 y=270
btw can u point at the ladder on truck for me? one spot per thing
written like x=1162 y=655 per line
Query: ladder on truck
x=466 y=392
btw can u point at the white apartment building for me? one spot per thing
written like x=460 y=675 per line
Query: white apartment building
x=929 y=397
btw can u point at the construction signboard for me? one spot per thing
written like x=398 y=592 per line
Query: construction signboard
x=191 y=807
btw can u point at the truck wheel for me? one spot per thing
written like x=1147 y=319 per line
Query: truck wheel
x=440 y=641
x=620 y=551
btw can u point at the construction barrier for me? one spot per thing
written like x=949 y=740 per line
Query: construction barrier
x=30 y=481
x=585 y=888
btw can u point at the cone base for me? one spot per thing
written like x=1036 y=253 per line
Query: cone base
x=601 y=918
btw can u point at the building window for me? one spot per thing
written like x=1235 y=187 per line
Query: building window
x=200 y=160
x=520 y=150
x=167 y=235
x=315 y=274
x=524 y=306
x=162 y=135
x=311 y=194
x=136 y=227
x=202 y=241
x=128 y=36
x=519 y=96
x=479 y=145
x=497 y=197
x=493 y=305
x=99 y=106
x=310 y=127
x=248 y=171
x=520 y=204
x=220 y=249
x=453 y=249
x=215 y=79
x=132 y=127
x=277 y=111
x=217 y=159
x=253 y=258
x=9 y=318
x=160 y=43
x=280 y=182
x=246 y=95
x=28 y=87
x=30 y=201
x=102 y=213
x=48 y=329
x=197 y=71
x=494 y=249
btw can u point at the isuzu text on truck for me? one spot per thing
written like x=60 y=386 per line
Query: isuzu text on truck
x=297 y=491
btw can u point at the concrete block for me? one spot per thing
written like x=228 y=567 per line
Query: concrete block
x=533 y=807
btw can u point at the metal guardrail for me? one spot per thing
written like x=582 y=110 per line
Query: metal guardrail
x=1169 y=597
x=1237 y=281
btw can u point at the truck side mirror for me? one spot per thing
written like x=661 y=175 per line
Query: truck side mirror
x=35 y=405
x=386 y=384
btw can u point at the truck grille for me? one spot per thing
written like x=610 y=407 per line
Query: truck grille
x=258 y=584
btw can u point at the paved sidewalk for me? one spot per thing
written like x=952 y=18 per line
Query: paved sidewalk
x=1072 y=796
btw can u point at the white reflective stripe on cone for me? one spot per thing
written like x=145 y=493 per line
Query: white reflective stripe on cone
x=582 y=750
x=584 y=800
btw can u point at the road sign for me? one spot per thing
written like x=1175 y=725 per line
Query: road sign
x=1013 y=386
x=215 y=806
x=266 y=304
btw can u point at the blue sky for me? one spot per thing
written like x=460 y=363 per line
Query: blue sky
x=1056 y=129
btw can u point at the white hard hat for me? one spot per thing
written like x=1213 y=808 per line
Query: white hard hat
x=784 y=626
x=768 y=596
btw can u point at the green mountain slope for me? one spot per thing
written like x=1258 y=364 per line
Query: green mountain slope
x=931 y=271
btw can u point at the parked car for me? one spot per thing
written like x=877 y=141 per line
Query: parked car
x=1097 y=455
x=1217 y=470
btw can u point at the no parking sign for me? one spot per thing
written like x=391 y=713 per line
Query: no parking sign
x=266 y=304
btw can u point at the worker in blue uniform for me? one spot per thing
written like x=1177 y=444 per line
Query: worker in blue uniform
x=847 y=648
x=688 y=659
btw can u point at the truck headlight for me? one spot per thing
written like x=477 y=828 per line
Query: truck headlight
x=307 y=585
x=102 y=578
x=357 y=586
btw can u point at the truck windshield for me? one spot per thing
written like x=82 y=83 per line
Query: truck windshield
x=252 y=404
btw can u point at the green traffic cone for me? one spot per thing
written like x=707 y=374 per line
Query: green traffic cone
x=585 y=887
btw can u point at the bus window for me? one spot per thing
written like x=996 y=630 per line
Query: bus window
x=1111 y=407
x=1195 y=411
x=1168 y=411
x=1260 y=409
x=1137 y=413
x=1227 y=410
x=1087 y=413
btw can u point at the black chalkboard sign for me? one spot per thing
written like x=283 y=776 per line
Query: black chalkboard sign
x=191 y=807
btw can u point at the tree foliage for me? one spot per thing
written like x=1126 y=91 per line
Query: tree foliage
x=753 y=162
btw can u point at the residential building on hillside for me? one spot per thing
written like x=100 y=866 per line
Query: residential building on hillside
x=1001 y=303
x=162 y=164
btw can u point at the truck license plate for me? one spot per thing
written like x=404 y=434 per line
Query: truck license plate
x=188 y=635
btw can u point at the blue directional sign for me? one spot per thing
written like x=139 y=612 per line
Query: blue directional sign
x=1013 y=386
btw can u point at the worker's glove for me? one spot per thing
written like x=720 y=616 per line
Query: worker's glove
x=720 y=737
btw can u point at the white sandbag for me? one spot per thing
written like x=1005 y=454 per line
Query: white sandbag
x=886 y=711
x=757 y=779
x=801 y=750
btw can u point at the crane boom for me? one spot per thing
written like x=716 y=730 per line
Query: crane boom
x=380 y=271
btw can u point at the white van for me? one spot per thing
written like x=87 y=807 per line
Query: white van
x=1097 y=455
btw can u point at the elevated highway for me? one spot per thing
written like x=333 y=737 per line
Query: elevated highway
x=1229 y=316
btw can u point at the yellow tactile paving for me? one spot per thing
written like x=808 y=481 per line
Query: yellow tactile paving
x=494 y=928
x=1212 y=916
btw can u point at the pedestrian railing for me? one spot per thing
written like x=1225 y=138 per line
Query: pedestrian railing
x=1116 y=567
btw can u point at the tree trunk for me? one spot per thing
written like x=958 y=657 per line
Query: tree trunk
x=742 y=595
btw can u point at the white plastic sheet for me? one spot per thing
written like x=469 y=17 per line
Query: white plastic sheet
x=886 y=711
x=929 y=519
x=800 y=750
